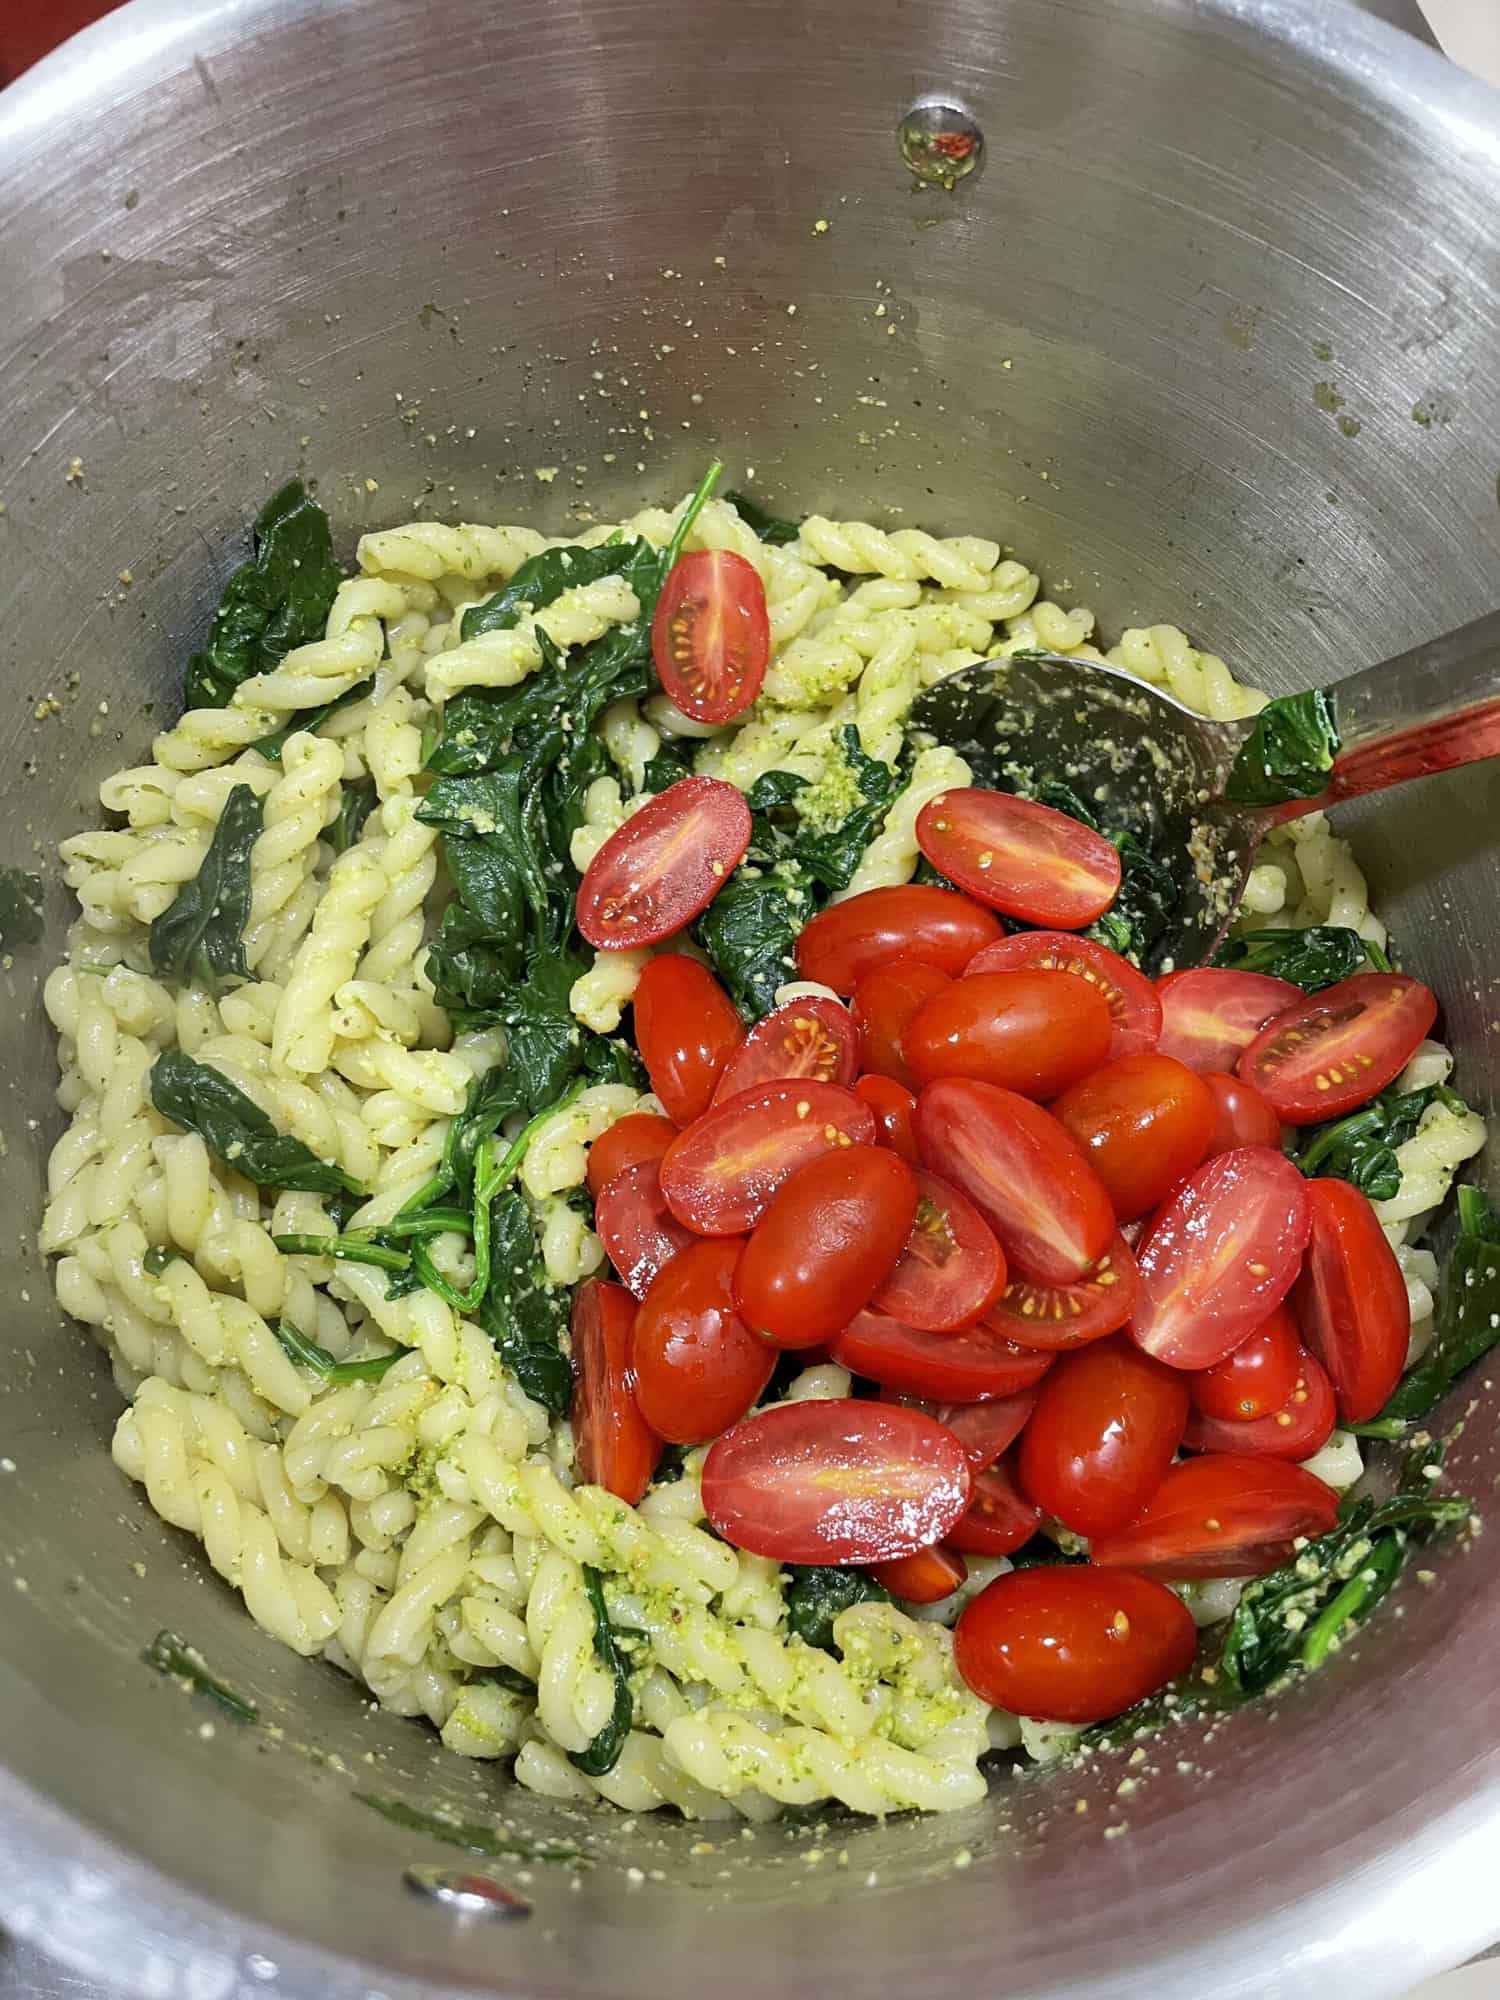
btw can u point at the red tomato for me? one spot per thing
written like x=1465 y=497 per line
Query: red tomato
x=835 y=1481
x=850 y=939
x=951 y=1270
x=1227 y=1514
x=893 y=1107
x=1106 y=1424
x=1256 y=1379
x=1210 y=1015
x=1032 y=1032
x=1340 y=1046
x=638 y=1230
x=830 y=1236
x=1067 y=1643
x=987 y=1429
x=711 y=636
x=811 y=1037
x=640 y=1135
x=1143 y=1123
x=1057 y=1317
x=1023 y=1173
x=1020 y=857
x=1242 y=1117
x=1000 y=1518
x=925 y=1578
x=1351 y=1300
x=1134 y=1008
x=1302 y=1425
x=967 y=1367
x=884 y=1001
x=687 y=1029
x=1220 y=1257
x=665 y=864
x=615 y=1447
x=719 y=1175
x=698 y=1367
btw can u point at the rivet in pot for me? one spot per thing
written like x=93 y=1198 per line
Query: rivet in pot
x=939 y=141
x=467 y=1894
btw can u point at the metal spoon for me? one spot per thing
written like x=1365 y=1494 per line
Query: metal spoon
x=1210 y=791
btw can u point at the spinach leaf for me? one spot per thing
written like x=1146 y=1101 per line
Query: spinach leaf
x=524 y=1315
x=473 y=1836
x=357 y=1247
x=604 y=1752
x=749 y=932
x=279 y=599
x=1468 y=1315
x=356 y=802
x=830 y=847
x=508 y=1677
x=1361 y=1148
x=771 y=528
x=817 y=1594
x=157 y=1259
x=666 y=767
x=308 y=1354
x=200 y=937
x=1148 y=894
x=1288 y=753
x=1313 y=958
x=174 y=1656
x=203 y=1100
x=540 y=581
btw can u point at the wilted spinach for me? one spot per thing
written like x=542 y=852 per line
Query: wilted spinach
x=356 y=802
x=203 y=1100
x=173 y=1656
x=1468 y=1315
x=308 y=1354
x=749 y=932
x=200 y=937
x=1361 y=1148
x=1149 y=891
x=524 y=1315
x=773 y=529
x=604 y=1752
x=817 y=1594
x=1288 y=753
x=540 y=581
x=279 y=599
x=1313 y=958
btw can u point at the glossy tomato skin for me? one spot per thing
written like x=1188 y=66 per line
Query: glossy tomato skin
x=1020 y=857
x=1031 y=1032
x=1351 y=1300
x=1025 y=1175
x=811 y=1037
x=687 y=1030
x=894 y=1108
x=1340 y=1047
x=829 y=1237
x=985 y=1430
x=1226 y=1514
x=1220 y=1257
x=840 y=1481
x=1302 y=1425
x=664 y=865
x=968 y=1367
x=1143 y=1123
x=1210 y=1015
x=1256 y=1379
x=711 y=635
x=1134 y=1006
x=1242 y=1117
x=616 y=1447
x=1072 y=1643
x=1106 y=1424
x=639 y=1232
x=718 y=1176
x=849 y=940
x=884 y=1002
x=999 y=1519
x=926 y=1578
x=640 y=1135
x=951 y=1270
x=1055 y=1318
x=698 y=1367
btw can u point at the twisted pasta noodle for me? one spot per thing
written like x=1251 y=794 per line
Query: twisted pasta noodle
x=668 y=720
x=1429 y=1160
x=643 y=1779
x=891 y=857
x=571 y=1251
x=319 y=1110
x=759 y=746
x=726 y=1752
x=962 y=562
x=557 y=1157
x=1338 y=1463
x=1009 y=590
x=1333 y=884
x=487 y=1720
x=131 y=877
x=1163 y=655
x=304 y=1035
x=225 y=1331
x=429 y=549
x=1048 y=628
x=886 y=690
x=293 y=816
x=630 y=741
x=500 y=659
x=575 y=1690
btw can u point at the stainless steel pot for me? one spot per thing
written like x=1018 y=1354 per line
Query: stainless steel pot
x=1213 y=335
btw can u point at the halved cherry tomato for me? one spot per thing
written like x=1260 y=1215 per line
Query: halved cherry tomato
x=840 y=1481
x=1256 y=1379
x=1302 y=1425
x=639 y=1135
x=925 y=1578
x=951 y=1270
x=1210 y=1015
x=1143 y=1123
x=719 y=1175
x=884 y=1001
x=1340 y=1046
x=1351 y=1300
x=1000 y=1518
x=1068 y=1643
x=967 y=1367
x=987 y=1429
x=615 y=1447
x=1220 y=1257
x=1031 y=1032
x=1057 y=1317
x=665 y=864
x=711 y=636
x=639 y=1232
x=698 y=1367
x=812 y=1037
x=1242 y=1117
x=893 y=1107
x=1020 y=857
x=829 y=1238
x=1134 y=1008
x=850 y=939
x=1227 y=1514
x=1023 y=1173
x=1106 y=1424
x=687 y=1030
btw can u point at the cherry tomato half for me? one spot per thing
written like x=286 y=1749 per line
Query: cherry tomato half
x=1242 y=1117
x=893 y=1107
x=1071 y=1643
x=951 y=1270
x=848 y=940
x=615 y=1447
x=719 y=1175
x=639 y=1232
x=1302 y=1425
x=999 y=1519
x=1351 y=1300
x=1209 y=1014
x=1220 y=1257
x=687 y=1029
x=830 y=1236
x=1226 y=1514
x=1031 y=1032
x=884 y=1001
x=1055 y=1318
x=1106 y=1424
x=639 y=1135
x=812 y=1037
x=838 y=1481
x=1340 y=1046
x=925 y=1578
x=985 y=1430
x=967 y=1367
x=1143 y=1123
x=711 y=636
x=1256 y=1379
x=1023 y=1173
x=1134 y=1008
x=1020 y=857
x=698 y=1367
x=665 y=864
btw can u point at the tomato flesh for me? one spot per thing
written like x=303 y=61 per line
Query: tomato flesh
x=1020 y=857
x=615 y=1446
x=1134 y=1006
x=1339 y=1047
x=1106 y=1424
x=1302 y=1425
x=951 y=1270
x=925 y=1578
x=894 y=1107
x=687 y=1030
x=1143 y=1123
x=711 y=635
x=812 y=1037
x=884 y=1002
x=639 y=1232
x=1256 y=1379
x=640 y=1135
x=1031 y=1032
x=1226 y=1514
x=1057 y=1317
x=1351 y=1300
x=849 y=940
x=698 y=1367
x=719 y=1175
x=967 y=1367
x=664 y=865
x=985 y=1430
x=999 y=1519
x=1242 y=1117
x=1209 y=1015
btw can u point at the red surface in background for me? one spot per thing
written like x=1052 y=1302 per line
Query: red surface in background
x=28 y=28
